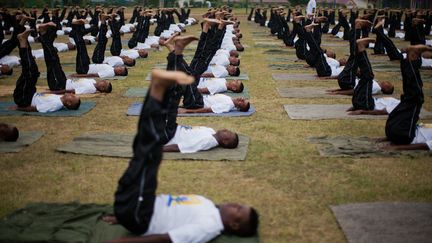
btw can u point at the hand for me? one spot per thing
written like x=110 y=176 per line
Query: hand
x=13 y=108
x=181 y=111
x=350 y=109
x=357 y=112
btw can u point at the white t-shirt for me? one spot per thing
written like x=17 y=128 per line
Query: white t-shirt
x=91 y=38
x=214 y=85
x=335 y=71
x=376 y=88
x=11 y=61
x=426 y=62
x=311 y=5
x=129 y=53
x=218 y=71
x=61 y=47
x=113 y=61
x=218 y=103
x=193 y=139
x=38 y=54
x=386 y=103
x=332 y=62
x=126 y=28
x=223 y=52
x=186 y=218
x=46 y=102
x=81 y=86
x=221 y=60
x=103 y=70
x=423 y=135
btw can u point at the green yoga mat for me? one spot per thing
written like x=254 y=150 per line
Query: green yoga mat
x=137 y=92
x=85 y=107
x=279 y=51
x=120 y=145
x=71 y=222
x=243 y=76
x=363 y=147
x=291 y=66
x=25 y=139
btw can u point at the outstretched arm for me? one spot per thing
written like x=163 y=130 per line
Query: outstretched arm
x=92 y=75
x=207 y=75
x=200 y=110
x=367 y=112
x=26 y=109
x=417 y=146
x=171 y=148
x=203 y=90
x=341 y=92
x=162 y=238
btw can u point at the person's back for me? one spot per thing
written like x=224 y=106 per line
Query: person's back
x=186 y=218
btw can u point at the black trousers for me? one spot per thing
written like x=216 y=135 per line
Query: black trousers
x=379 y=45
x=99 y=51
x=418 y=35
x=8 y=46
x=392 y=52
x=300 y=44
x=346 y=79
x=321 y=65
x=55 y=75
x=402 y=121
x=362 y=98
x=207 y=47
x=26 y=84
x=136 y=192
x=82 y=57
x=116 y=44
x=141 y=33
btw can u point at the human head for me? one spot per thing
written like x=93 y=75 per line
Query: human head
x=71 y=46
x=234 y=61
x=235 y=86
x=8 y=133
x=233 y=70
x=121 y=71
x=71 y=101
x=342 y=61
x=238 y=219
x=386 y=87
x=227 y=139
x=239 y=46
x=241 y=104
x=128 y=61
x=234 y=53
x=330 y=53
x=142 y=53
x=103 y=86
x=6 y=70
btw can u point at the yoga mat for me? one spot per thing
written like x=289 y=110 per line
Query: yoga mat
x=268 y=44
x=314 y=92
x=7 y=90
x=359 y=147
x=135 y=110
x=291 y=66
x=242 y=76
x=279 y=51
x=326 y=112
x=300 y=77
x=285 y=59
x=120 y=145
x=85 y=107
x=385 y=221
x=141 y=93
x=71 y=222
x=25 y=139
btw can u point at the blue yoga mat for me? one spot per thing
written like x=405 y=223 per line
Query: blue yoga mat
x=135 y=110
x=84 y=108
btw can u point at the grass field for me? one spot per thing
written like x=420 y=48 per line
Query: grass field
x=283 y=176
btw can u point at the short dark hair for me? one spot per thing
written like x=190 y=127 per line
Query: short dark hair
x=238 y=61
x=252 y=227
x=245 y=109
x=12 y=135
x=125 y=73
x=237 y=73
x=132 y=64
x=241 y=87
x=109 y=88
x=234 y=143
x=10 y=72
x=76 y=106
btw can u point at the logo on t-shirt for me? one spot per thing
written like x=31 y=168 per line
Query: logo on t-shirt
x=183 y=200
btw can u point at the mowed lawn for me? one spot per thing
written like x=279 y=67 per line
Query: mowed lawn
x=283 y=176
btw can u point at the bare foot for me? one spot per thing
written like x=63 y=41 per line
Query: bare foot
x=362 y=23
x=78 y=21
x=380 y=23
x=417 y=21
x=310 y=27
x=44 y=27
x=362 y=44
x=182 y=41
x=321 y=19
x=414 y=52
x=169 y=43
x=211 y=21
x=104 y=18
x=161 y=80
x=23 y=38
x=297 y=19
x=110 y=219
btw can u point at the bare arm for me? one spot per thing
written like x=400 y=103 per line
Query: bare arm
x=171 y=148
x=203 y=90
x=342 y=92
x=27 y=109
x=207 y=75
x=366 y=112
x=90 y=75
x=63 y=91
x=200 y=110
x=162 y=238
x=417 y=146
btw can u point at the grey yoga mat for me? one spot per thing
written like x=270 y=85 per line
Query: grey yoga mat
x=326 y=112
x=25 y=139
x=299 y=77
x=85 y=107
x=120 y=145
x=359 y=147
x=243 y=76
x=137 y=92
x=385 y=222
x=135 y=110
